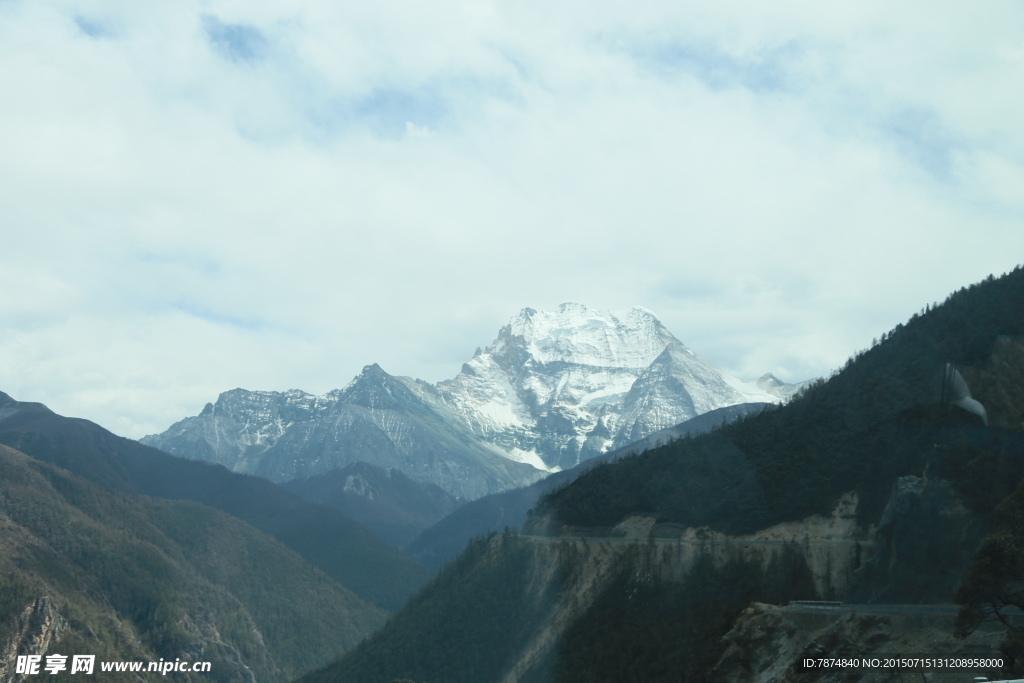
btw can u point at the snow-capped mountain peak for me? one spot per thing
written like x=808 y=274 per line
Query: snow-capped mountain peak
x=573 y=383
x=553 y=389
x=577 y=334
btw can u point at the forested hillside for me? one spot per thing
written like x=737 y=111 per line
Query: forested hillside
x=925 y=476
x=842 y=434
x=335 y=543
x=84 y=570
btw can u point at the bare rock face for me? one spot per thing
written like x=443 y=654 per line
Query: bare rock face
x=207 y=641
x=924 y=544
x=39 y=626
x=377 y=418
x=761 y=646
x=553 y=390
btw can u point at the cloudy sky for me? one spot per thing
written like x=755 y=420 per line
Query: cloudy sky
x=202 y=194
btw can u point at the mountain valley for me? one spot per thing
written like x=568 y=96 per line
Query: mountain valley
x=390 y=504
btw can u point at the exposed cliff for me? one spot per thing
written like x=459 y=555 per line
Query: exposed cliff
x=30 y=632
x=924 y=544
x=542 y=592
x=832 y=546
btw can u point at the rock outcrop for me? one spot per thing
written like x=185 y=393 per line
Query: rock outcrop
x=32 y=632
x=924 y=544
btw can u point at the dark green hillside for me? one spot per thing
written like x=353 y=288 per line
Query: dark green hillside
x=446 y=539
x=466 y=626
x=928 y=477
x=335 y=543
x=643 y=630
x=133 y=578
x=475 y=620
x=848 y=432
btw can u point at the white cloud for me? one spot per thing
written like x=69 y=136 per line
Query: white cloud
x=202 y=195
x=417 y=132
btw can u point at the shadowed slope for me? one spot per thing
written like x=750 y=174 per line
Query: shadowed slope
x=130 y=578
x=337 y=544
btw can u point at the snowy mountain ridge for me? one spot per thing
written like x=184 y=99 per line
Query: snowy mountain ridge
x=552 y=390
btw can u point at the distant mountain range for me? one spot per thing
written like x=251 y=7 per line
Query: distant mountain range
x=555 y=389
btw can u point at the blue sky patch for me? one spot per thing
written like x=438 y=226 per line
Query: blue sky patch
x=224 y=319
x=768 y=71
x=920 y=136
x=237 y=42
x=93 y=29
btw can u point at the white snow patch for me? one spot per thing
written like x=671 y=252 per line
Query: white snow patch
x=530 y=457
x=752 y=392
x=498 y=413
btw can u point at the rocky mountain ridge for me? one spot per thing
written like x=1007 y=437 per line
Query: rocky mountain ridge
x=558 y=388
x=553 y=390
x=390 y=504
